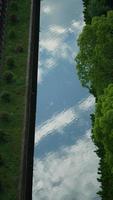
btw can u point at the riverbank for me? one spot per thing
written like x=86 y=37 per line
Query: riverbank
x=12 y=96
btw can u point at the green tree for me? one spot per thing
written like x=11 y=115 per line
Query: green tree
x=96 y=8
x=94 y=60
x=102 y=135
x=103 y=126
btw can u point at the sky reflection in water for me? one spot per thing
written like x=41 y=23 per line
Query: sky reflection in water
x=65 y=165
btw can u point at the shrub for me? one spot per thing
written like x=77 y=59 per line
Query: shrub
x=14 y=19
x=5 y=96
x=12 y=35
x=4 y=116
x=19 y=49
x=8 y=76
x=10 y=62
x=14 y=6
x=3 y=137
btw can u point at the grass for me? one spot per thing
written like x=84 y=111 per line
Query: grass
x=11 y=150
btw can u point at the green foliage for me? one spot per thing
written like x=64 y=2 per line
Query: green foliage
x=87 y=17
x=3 y=137
x=10 y=63
x=97 y=8
x=8 y=76
x=105 y=179
x=4 y=117
x=94 y=8
x=102 y=136
x=19 y=49
x=12 y=35
x=14 y=19
x=95 y=56
x=14 y=6
x=103 y=127
x=5 y=96
x=95 y=70
x=12 y=113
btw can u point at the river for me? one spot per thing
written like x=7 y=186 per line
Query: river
x=65 y=165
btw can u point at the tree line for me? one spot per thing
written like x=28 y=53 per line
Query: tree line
x=96 y=8
x=94 y=64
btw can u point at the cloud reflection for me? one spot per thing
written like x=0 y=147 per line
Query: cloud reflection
x=69 y=174
x=61 y=120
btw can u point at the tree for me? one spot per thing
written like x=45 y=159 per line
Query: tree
x=94 y=60
x=103 y=126
x=96 y=8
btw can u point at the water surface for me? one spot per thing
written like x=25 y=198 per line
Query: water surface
x=65 y=165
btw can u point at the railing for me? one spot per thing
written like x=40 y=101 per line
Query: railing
x=29 y=128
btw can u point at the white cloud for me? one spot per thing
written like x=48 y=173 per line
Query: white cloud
x=46 y=9
x=87 y=103
x=65 y=52
x=67 y=175
x=63 y=119
x=64 y=11
x=53 y=41
x=78 y=24
x=50 y=63
x=43 y=67
x=56 y=26
x=57 y=29
x=57 y=122
x=88 y=133
x=49 y=44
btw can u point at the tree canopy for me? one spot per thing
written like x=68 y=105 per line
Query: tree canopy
x=103 y=126
x=94 y=64
x=94 y=8
x=95 y=60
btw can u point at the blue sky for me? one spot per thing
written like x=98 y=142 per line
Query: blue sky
x=65 y=165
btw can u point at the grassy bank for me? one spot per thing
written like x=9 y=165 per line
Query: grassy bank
x=12 y=96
